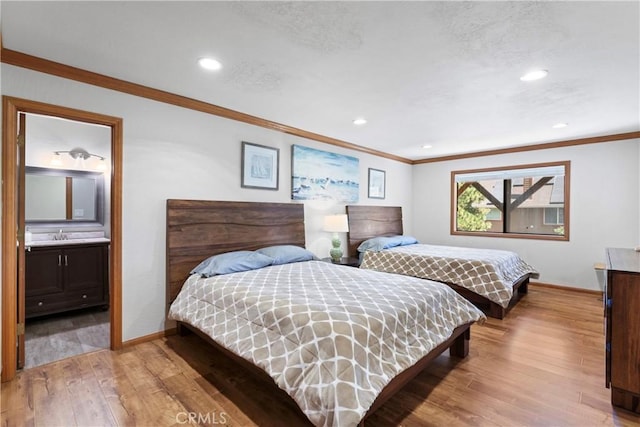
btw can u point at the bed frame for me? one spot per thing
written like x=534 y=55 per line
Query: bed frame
x=366 y=222
x=199 y=229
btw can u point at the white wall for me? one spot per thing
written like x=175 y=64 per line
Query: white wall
x=605 y=203
x=170 y=152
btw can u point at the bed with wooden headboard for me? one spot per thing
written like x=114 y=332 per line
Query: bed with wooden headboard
x=199 y=229
x=367 y=222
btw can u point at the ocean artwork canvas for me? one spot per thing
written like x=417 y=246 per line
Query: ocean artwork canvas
x=321 y=175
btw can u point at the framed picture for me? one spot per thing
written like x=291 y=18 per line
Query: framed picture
x=322 y=175
x=377 y=183
x=260 y=166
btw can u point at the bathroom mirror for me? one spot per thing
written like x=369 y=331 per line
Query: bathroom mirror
x=60 y=197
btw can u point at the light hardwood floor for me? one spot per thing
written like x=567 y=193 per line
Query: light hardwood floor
x=543 y=365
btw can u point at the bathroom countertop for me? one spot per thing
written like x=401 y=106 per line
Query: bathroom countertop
x=65 y=238
x=81 y=241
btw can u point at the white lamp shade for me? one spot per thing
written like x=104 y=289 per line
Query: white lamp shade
x=336 y=223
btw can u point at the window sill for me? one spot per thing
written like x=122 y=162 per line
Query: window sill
x=511 y=235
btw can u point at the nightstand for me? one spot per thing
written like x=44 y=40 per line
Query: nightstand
x=349 y=261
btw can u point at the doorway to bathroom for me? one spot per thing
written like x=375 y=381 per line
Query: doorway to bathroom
x=67 y=236
x=61 y=199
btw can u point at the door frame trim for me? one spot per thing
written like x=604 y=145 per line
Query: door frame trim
x=11 y=106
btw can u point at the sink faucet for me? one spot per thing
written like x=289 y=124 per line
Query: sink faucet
x=60 y=235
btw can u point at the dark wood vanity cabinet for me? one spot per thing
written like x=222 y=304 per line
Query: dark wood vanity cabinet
x=622 y=317
x=66 y=277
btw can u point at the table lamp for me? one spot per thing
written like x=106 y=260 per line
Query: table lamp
x=336 y=224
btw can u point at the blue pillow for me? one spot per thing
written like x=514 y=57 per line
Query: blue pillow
x=232 y=262
x=376 y=244
x=380 y=243
x=406 y=240
x=285 y=254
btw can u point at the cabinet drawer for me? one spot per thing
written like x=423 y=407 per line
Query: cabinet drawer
x=86 y=297
x=49 y=304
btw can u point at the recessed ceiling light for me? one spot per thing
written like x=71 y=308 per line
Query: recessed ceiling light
x=427 y=146
x=534 y=75
x=210 y=64
x=359 y=121
x=560 y=125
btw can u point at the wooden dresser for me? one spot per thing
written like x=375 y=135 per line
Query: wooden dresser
x=66 y=277
x=622 y=317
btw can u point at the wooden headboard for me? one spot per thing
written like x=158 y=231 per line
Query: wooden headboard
x=198 y=229
x=366 y=222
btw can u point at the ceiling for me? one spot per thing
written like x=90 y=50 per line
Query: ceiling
x=445 y=74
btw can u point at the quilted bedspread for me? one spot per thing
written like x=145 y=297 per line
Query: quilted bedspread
x=487 y=272
x=331 y=336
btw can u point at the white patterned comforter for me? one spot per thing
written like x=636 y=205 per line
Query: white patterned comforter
x=487 y=272
x=330 y=336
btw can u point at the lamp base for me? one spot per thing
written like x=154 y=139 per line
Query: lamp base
x=336 y=254
x=336 y=250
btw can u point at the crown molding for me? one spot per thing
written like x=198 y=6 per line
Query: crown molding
x=46 y=66
x=533 y=147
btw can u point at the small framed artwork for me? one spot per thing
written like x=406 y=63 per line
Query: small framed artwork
x=377 y=183
x=260 y=166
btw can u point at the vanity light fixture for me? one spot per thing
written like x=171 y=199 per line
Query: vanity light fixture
x=78 y=154
x=102 y=165
x=56 y=160
x=360 y=121
x=534 y=75
x=210 y=64
x=427 y=146
x=560 y=125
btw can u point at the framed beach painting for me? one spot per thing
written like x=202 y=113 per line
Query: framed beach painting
x=260 y=166
x=322 y=175
x=377 y=183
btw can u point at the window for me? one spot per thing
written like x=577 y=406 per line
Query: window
x=554 y=216
x=527 y=201
x=494 y=214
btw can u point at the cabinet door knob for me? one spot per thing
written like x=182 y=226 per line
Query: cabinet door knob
x=40 y=304
x=84 y=296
